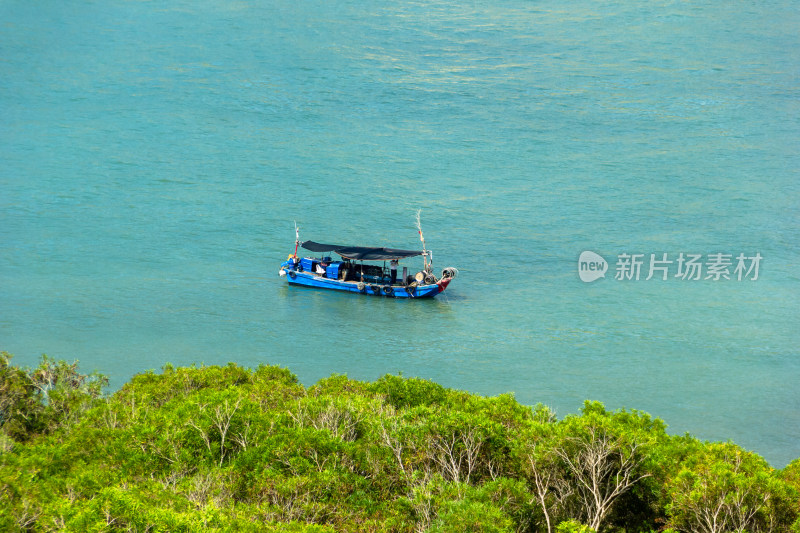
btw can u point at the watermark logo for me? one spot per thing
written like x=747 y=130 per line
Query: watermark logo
x=691 y=267
x=591 y=266
x=683 y=266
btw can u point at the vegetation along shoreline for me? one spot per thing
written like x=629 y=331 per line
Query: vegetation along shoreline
x=230 y=448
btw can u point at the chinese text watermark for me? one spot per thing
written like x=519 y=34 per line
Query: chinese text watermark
x=684 y=266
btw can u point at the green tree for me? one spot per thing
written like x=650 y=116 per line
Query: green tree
x=20 y=401
x=469 y=515
x=584 y=464
x=52 y=395
x=723 y=488
x=573 y=526
x=65 y=392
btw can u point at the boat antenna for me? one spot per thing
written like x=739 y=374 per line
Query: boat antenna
x=424 y=251
x=296 y=238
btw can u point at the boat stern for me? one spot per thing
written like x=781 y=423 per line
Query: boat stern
x=289 y=265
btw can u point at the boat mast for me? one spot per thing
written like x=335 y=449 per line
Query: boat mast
x=296 y=238
x=424 y=251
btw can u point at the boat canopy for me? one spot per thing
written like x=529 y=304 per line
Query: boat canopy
x=361 y=253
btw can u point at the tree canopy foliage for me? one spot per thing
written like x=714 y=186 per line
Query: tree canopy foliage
x=230 y=448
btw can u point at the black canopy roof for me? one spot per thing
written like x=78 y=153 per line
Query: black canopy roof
x=363 y=253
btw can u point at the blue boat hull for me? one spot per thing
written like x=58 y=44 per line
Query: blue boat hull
x=308 y=279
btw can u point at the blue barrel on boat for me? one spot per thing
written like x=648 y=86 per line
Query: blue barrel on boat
x=306 y=263
x=332 y=271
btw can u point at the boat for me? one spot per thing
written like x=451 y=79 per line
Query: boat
x=350 y=273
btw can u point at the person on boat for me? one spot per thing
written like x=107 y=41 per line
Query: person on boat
x=393 y=270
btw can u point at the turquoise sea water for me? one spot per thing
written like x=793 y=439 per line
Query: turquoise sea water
x=154 y=158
